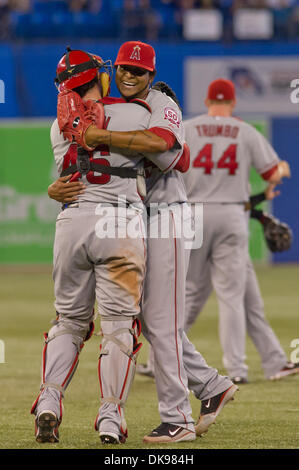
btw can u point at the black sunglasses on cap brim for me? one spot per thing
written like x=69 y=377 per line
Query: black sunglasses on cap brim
x=133 y=70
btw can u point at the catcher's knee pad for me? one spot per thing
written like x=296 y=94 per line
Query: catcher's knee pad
x=64 y=326
x=117 y=362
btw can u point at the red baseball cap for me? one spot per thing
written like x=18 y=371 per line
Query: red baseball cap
x=137 y=54
x=221 y=90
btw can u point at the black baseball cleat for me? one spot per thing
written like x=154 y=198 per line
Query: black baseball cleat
x=46 y=427
x=290 y=368
x=112 y=438
x=211 y=408
x=169 y=433
x=239 y=380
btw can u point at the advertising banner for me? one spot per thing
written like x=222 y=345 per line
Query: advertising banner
x=27 y=215
x=263 y=84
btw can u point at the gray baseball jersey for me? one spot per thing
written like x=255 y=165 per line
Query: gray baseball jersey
x=222 y=150
x=120 y=116
x=169 y=187
x=163 y=309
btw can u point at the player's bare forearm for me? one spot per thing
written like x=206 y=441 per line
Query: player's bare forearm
x=134 y=141
x=63 y=191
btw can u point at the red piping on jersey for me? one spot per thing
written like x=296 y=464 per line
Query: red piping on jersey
x=60 y=406
x=99 y=372
x=269 y=173
x=96 y=422
x=183 y=414
x=43 y=372
x=35 y=403
x=144 y=251
x=126 y=378
x=122 y=430
x=175 y=301
x=141 y=197
x=165 y=134
x=44 y=356
x=71 y=370
x=176 y=157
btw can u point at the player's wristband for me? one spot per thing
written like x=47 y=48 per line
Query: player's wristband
x=257 y=199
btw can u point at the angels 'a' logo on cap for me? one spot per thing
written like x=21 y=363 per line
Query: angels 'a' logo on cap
x=136 y=53
x=220 y=96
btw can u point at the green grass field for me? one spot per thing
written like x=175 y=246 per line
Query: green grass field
x=264 y=415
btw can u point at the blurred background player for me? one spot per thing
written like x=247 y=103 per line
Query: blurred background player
x=223 y=149
x=273 y=359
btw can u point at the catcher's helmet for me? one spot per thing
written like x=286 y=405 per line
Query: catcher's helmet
x=77 y=67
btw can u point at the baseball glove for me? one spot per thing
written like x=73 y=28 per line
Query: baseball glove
x=278 y=235
x=165 y=88
x=75 y=116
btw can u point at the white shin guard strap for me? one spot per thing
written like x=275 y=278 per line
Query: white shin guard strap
x=52 y=385
x=122 y=346
x=116 y=401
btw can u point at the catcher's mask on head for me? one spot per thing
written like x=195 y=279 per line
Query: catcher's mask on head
x=77 y=67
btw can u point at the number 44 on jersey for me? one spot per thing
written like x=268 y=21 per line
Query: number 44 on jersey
x=228 y=160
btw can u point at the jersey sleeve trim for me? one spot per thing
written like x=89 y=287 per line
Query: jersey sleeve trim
x=267 y=174
x=165 y=134
x=175 y=161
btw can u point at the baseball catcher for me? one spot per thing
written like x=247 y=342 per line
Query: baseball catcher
x=75 y=115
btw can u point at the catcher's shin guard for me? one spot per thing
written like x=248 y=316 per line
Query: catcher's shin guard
x=60 y=360
x=117 y=365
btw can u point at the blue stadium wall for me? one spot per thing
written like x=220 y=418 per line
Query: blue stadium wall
x=27 y=71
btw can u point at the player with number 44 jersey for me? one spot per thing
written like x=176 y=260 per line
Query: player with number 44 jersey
x=222 y=151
